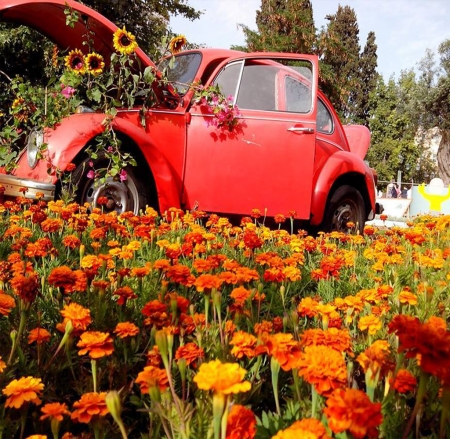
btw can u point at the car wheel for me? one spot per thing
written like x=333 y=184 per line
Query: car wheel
x=121 y=196
x=346 y=205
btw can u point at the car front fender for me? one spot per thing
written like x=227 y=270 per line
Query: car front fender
x=341 y=168
x=71 y=136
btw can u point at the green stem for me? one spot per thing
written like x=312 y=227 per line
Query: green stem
x=224 y=420
x=218 y=408
x=16 y=341
x=94 y=373
x=314 y=398
x=275 y=370
x=445 y=410
x=423 y=382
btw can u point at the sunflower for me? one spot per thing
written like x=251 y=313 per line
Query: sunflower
x=94 y=64
x=176 y=44
x=124 y=41
x=75 y=61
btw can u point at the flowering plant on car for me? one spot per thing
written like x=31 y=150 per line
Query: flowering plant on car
x=225 y=113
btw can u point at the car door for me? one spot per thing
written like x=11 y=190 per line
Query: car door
x=268 y=160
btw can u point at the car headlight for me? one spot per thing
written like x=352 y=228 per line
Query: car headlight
x=35 y=141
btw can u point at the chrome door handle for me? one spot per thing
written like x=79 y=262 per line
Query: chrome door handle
x=302 y=130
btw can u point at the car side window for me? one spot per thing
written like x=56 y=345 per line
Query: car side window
x=258 y=88
x=324 y=119
x=298 y=96
x=228 y=79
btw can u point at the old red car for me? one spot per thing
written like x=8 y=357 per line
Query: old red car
x=289 y=153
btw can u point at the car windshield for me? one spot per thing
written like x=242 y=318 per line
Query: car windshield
x=181 y=70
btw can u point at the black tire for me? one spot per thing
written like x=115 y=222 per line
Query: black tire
x=128 y=195
x=345 y=205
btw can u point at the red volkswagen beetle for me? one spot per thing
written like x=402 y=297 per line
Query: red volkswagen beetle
x=290 y=152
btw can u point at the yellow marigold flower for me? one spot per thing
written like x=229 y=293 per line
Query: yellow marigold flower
x=372 y=323
x=407 y=297
x=176 y=44
x=124 y=42
x=74 y=61
x=23 y=390
x=94 y=64
x=133 y=245
x=224 y=378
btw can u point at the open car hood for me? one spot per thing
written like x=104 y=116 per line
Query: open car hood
x=48 y=18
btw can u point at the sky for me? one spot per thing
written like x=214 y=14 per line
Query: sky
x=404 y=29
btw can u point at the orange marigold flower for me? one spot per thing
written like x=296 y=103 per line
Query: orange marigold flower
x=222 y=378
x=154 y=357
x=190 y=352
x=206 y=282
x=23 y=390
x=337 y=339
x=377 y=359
x=243 y=344
x=263 y=329
x=180 y=274
x=95 y=343
x=240 y=295
x=404 y=381
x=241 y=423
x=78 y=315
x=307 y=307
x=38 y=335
x=62 y=277
x=54 y=410
x=351 y=410
x=2 y=365
x=126 y=329
x=26 y=287
x=141 y=272
x=152 y=376
x=284 y=349
x=125 y=293
x=323 y=367
x=51 y=225
x=91 y=404
x=430 y=340
x=37 y=436
x=7 y=303
x=309 y=428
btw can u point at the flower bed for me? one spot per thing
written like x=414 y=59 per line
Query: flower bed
x=185 y=326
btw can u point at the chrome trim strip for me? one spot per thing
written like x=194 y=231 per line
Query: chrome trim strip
x=13 y=184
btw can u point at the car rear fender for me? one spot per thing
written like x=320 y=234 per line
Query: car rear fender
x=341 y=168
x=70 y=138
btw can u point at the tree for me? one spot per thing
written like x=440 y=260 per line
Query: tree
x=283 y=26
x=367 y=80
x=340 y=48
